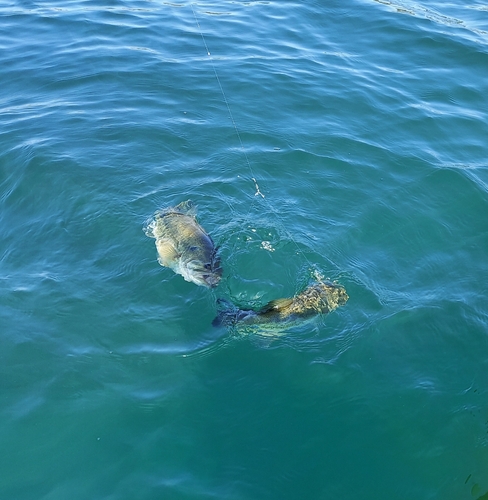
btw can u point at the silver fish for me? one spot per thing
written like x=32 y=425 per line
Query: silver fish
x=184 y=246
x=319 y=298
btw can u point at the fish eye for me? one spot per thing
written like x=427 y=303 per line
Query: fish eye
x=207 y=266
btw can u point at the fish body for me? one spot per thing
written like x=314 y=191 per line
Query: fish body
x=319 y=298
x=184 y=246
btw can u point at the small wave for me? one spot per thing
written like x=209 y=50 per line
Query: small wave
x=417 y=10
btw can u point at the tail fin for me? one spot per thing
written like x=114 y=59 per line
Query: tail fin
x=219 y=319
x=228 y=314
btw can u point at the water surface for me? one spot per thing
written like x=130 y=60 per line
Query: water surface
x=347 y=138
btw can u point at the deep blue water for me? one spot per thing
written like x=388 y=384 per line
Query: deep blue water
x=345 y=138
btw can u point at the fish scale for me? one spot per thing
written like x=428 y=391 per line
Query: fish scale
x=184 y=246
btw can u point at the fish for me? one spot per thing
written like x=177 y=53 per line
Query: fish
x=184 y=246
x=317 y=298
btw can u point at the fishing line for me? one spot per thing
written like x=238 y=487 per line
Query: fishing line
x=258 y=192
x=315 y=272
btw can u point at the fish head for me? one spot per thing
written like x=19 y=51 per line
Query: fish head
x=333 y=295
x=342 y=296
x=204 y=270
x=203 y=274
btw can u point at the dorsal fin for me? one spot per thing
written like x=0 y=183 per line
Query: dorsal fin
x=276 y=305
x=186 y=207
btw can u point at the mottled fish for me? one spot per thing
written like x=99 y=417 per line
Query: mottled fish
x=184 y=246
x=319 y=298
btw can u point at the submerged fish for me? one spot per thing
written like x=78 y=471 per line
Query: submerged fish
x=184 y=246
x=319 y=298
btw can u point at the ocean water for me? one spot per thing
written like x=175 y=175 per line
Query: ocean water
x=342 y=138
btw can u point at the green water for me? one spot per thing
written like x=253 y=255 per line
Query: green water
x=345 y=138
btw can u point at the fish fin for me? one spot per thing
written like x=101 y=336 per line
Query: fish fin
x=219 y=320
x=276 y=305
x=215 y=260
x=167 y=252
x=148 y=228
x=225 y=317
x=226 y=314
x=186 y=207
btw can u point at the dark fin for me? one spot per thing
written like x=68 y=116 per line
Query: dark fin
x=229 y=314
x=219 y=319
x=276 y=305
x=215 y=258
x=225 y=318
x=225 y=308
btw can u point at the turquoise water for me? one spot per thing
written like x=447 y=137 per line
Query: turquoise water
x=364 y=125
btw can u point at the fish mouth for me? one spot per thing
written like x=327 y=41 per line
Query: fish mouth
x=208 y=280
x=212 y=280
x=205 y=275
